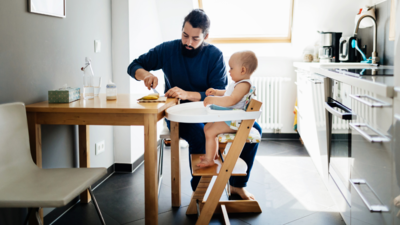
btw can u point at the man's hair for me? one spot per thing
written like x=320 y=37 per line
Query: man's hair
x=249 y=60
x=198 y=19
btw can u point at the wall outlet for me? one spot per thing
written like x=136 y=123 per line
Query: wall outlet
x=100 y=147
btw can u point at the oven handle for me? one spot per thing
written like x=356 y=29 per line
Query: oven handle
x=381 y=138
x=344 y=116
x=379 y=103
x=372 y=208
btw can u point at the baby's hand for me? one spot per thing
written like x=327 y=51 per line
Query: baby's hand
x=208 y=101
x=211 y=91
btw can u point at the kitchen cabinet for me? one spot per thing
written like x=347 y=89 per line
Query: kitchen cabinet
x=311 y=118
x=371 y=159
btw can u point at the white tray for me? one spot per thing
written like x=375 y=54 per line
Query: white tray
x=195 y=112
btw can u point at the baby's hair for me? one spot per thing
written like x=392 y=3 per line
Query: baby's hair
x=249 y=60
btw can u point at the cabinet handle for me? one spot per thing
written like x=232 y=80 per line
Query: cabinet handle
x=372 y=208
x=380 y=138
x=379 y=103
x=397 y=117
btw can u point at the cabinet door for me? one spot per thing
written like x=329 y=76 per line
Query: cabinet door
x=396 y=160
x=371 y=170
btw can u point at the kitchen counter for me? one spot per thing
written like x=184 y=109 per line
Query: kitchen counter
x=381 y=85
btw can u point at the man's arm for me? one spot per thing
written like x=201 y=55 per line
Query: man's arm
x=153 y=60
x=149 y=79
x=176 y=92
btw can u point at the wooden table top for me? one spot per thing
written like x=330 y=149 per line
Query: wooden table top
x=125 y=103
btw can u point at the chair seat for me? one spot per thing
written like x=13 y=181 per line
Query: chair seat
x=47 y=187
x=254 y=137
x=239 y=170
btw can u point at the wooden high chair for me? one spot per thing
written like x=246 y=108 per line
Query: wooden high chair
x=229 y=164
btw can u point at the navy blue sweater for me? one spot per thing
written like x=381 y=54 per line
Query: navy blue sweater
x=205 y=70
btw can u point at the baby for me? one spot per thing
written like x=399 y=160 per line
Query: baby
x=242 y=65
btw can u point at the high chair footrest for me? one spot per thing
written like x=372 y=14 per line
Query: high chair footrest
x=239 y=169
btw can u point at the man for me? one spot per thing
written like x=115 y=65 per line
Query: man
x=190 y=67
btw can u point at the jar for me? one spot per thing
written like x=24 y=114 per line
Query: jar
x=111 y=91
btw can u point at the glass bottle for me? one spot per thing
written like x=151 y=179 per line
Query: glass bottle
x=88 y=75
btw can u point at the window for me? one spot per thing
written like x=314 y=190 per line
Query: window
x=249 y=21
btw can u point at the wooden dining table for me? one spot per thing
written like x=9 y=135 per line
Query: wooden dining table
x=125 y=111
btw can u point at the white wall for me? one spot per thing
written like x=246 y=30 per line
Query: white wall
x=136 y=29
x=120 y=46
x=171 y=14
x=142 y=37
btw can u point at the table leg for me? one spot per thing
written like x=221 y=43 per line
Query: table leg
x=35 y=141
x=84 y=156
x=175 y=166
x=150 y=169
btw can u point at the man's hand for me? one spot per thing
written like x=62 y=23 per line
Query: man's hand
x=176 y=92
x=208 y=101
x=150 y=81
x=211 y=91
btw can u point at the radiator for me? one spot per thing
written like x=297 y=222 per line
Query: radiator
x=364 y=113
x=268 y=91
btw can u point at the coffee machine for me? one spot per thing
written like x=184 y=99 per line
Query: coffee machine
x=329 y=46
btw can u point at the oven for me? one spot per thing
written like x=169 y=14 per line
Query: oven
x=339 y=115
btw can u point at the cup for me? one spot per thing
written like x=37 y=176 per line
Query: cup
x=96 y=83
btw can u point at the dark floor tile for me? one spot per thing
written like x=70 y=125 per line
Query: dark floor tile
x=127 y=204
x=119 y=181
x=124 y=205
x=82 y=214
x=178 y=216
x=325 y=218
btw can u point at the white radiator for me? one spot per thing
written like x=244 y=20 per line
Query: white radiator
x=268 y=91
x=364 y=113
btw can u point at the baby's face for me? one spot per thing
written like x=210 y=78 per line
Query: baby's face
x=235 y=67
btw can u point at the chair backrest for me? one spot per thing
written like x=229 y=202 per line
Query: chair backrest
x=15 y=155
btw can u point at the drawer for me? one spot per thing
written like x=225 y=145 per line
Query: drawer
x=372 y=109
x=370 y=163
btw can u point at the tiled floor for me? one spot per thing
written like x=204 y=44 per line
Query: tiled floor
x=284 y=181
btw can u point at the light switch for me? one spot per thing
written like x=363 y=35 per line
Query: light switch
x=97 y=46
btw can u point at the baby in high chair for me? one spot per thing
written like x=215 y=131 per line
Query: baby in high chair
x=237 y=95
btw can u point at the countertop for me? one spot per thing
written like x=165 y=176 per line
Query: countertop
x=381 y=85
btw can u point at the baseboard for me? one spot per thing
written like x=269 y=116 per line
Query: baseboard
x=128 y=167
x=280 y=136
x=58 y=212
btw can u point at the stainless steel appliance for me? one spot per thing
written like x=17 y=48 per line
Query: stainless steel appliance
x=329 y=50
x=396 y=156
x=339 y=114
x=347 y=53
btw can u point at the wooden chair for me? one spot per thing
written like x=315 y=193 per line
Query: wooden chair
x=229 y=164
x=23 y=184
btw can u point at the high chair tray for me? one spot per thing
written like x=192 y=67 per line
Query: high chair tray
x=195 y=112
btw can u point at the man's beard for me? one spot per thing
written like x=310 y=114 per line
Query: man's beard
x=192 y=52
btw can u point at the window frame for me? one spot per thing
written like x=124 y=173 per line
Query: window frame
x=287 y=39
